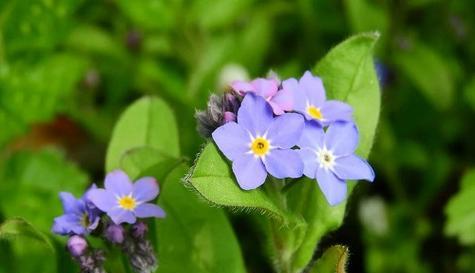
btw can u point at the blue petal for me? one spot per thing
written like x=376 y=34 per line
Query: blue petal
x=342 y=138
x=336 y=111
x=118 y=182
x=249 y=171
x=312 y=136
x=232 y=139
x=284 y=163
x=353 y=168
x=314 y=89
x=333 y=188
x=255 y=114
x=119 y=216
x=286 y=130
x=103 y=199
x=149 y=210
x=145 y=189
x=310 y=162
x=70 y=203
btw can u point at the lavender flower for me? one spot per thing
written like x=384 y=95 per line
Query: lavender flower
x=259 y=143
x=280 y=101
x=329 y=157
x=80 y=216
x=310 y=100
x=124 y=201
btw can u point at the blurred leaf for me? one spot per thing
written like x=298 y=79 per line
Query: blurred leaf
x=334 y=260
x=31 y=25
x=213 y=179
x=211 y=15
x=365 y=15
x=348 y=75
x=136 y=161
x=469 y=93
x=460 y=211
x=19 y=227
x=194 y=237
x=150 y=14
x=35 y=93
x=429 y=72
x=147 y=122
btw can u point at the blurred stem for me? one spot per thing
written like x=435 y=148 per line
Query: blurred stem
x=125 y=263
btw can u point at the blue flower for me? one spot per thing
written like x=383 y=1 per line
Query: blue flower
x=80 y=216
x=259 y=143
x=329 y=157
x=310 y=100
x=125 y=201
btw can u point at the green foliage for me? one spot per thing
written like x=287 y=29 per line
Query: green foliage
x=429 y=71
x=194 y=237
x=148 y=122
x=460 y=211
x=334 y=260
x=19 y=227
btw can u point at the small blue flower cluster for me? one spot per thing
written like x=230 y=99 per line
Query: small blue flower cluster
x=123 y=202
x=289 y=129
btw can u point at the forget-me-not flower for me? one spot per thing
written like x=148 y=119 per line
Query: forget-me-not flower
x=124 y=201
x=259 y=143
x=80 y=216
x=329 y=157
x=310 y=100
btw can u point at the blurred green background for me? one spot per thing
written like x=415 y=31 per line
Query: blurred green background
x=69 y=67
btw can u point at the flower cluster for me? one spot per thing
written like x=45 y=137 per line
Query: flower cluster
x=289 y=129
x=106 y=213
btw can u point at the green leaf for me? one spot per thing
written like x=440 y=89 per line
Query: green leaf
x=138 y=161
x=334 y=260
x=147 y=122
x=19 y=227
x=194 y=237
x=150 y=14
x=213 y=179
x=348 y=74
x=460 y=211
x=429 y=71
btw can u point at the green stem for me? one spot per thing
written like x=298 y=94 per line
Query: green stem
x=125 y=263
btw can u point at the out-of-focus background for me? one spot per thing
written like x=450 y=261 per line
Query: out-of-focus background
x=69 y=67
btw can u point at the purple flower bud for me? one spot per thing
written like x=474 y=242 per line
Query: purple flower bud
x=77 y=245
x=115 y=234
x=139 y=229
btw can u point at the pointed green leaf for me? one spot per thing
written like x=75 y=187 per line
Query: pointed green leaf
x=348 y=74
x=19 y=227
x=214 y=180
x=334 y=260
x=147 y=122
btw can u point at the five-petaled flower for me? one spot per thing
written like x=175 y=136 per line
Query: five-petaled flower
x=279 y=100
x=124 y=201
x=80 y=216
x=310 y=100
x=329 y=157
x=259 y=143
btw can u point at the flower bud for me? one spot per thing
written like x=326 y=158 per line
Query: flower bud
x=139 y=230
x=77 y=245
x=115 y=234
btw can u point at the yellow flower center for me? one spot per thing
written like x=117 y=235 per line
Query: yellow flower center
x=127 y=202
x=314 y=112
x=260 y=146
x=85 y=220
